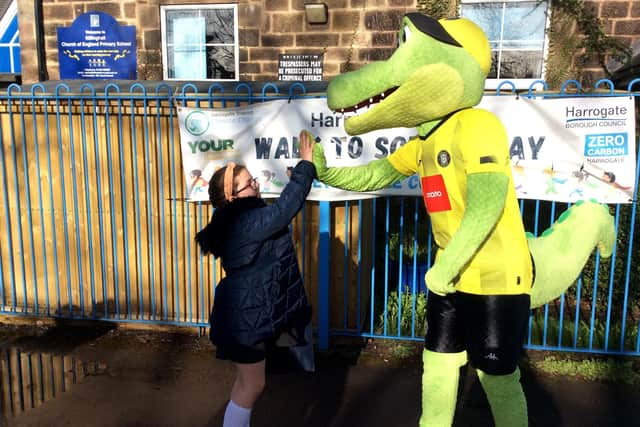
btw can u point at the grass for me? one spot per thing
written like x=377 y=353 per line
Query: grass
x=606 y=370
x=587 y=335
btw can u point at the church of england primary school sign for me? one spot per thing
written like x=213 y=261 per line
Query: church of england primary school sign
x=95 y=46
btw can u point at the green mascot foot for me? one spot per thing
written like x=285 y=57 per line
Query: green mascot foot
x=506 y=398
x=560 y=253
x=440 y=375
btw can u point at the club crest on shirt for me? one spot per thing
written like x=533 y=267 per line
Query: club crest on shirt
x=444 y=158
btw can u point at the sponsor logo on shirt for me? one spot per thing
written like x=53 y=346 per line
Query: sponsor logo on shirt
x=435 y=195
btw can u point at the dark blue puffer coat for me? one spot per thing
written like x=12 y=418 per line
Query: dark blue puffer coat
x=262 y=294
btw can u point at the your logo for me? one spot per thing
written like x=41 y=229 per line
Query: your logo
x=196 y=123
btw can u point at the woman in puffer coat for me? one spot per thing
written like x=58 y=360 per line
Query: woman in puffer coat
x=261 y=297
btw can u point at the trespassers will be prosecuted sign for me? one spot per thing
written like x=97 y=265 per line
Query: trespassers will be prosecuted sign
x=563 y=149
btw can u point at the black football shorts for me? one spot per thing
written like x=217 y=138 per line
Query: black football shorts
x=491 y=328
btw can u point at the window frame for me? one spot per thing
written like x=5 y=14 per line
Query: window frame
x=13 y=45
x=200 y=6
x=519 y=83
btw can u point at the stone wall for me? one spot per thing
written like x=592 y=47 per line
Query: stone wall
x=358 y=31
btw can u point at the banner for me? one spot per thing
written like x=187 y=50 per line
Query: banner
x=563 y=149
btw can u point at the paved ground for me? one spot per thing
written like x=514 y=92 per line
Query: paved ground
x=172 y=379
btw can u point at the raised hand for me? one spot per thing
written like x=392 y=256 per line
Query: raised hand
x=307 y=141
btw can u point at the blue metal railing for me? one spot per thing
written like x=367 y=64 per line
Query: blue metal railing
x=105 y=234
x=604 y=328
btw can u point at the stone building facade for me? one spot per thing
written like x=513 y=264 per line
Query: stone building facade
x=357 y=32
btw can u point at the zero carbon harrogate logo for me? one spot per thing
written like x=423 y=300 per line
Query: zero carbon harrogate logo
x=196 y=123
x=606 y=145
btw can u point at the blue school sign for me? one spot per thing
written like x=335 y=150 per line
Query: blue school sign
x=96 y=47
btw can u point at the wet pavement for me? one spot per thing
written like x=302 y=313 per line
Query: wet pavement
x=66 y=375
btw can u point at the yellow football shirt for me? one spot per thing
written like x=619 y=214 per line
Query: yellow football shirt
x=470 y=141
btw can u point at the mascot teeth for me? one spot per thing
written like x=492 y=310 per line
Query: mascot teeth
x=367 y=104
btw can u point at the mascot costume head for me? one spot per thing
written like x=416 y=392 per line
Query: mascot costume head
x=439 y=67
x=488 y=272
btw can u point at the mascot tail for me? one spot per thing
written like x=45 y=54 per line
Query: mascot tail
x=560 y=253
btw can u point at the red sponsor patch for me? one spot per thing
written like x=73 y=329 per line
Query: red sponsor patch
x=435 y=195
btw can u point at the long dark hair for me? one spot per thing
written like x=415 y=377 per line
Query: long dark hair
x=206 y=238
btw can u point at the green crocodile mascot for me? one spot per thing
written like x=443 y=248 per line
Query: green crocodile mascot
x=488 y=272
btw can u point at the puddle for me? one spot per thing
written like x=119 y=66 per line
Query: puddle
x=29 y=379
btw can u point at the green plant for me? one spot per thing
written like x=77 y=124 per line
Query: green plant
x=583 y=337
x=596 y=44
x=401 y=351
x=437 y=9
x=410 y=324
x=563 y=44
x=411 y=246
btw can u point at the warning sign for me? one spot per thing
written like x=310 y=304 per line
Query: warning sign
x=303 y=68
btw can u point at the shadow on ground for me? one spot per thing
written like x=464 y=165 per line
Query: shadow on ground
x=65 y=336
x=173 y=379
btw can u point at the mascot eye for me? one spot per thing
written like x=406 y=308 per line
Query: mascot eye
x=406 y=34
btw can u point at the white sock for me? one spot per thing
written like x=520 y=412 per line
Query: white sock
x=236 y=416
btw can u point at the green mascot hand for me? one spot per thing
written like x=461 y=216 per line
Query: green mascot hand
x=437 y=282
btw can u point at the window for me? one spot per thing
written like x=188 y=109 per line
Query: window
x=200 y=42
x=516 y=31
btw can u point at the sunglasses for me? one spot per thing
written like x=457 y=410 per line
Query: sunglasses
x=253 y=184
x=432 y=28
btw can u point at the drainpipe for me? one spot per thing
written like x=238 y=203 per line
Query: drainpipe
x=39 y=24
